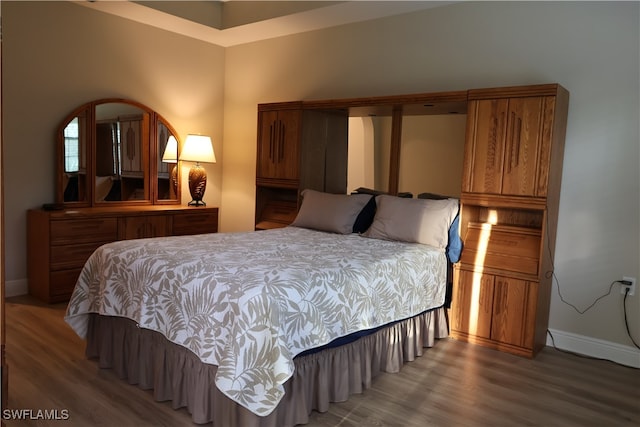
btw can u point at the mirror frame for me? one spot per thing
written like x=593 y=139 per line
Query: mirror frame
x=149 y=151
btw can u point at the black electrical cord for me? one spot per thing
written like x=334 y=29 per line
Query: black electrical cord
x=626 y=322
x=551 y=274
x=624 y=303
x=573 y=306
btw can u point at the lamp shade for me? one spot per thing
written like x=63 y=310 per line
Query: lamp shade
x=171 y=151
x=198 y=148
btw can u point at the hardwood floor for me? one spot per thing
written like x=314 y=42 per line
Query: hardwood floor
x=454 y=384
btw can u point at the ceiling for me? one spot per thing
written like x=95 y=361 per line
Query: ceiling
x=233 y=22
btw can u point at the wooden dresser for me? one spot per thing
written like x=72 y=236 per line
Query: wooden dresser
x=60 y=242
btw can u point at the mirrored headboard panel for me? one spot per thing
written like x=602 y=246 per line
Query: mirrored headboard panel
x=404 y=143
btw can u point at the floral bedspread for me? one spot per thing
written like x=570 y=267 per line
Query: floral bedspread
x=250 y=302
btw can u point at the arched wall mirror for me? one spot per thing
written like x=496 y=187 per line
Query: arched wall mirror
x=116 y=152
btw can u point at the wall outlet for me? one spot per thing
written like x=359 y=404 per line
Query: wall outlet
x=632 y=288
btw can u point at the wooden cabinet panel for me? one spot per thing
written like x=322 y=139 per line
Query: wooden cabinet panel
x=276 y=214
x=522 y=146
x=267 y=138
x=62 y=284
x=60 y=242
x=484 y=151
x=513 y=311
x=507 y=248
x=472 y=303
x=141 y=227
x=73 y=256
x=497 y=311
x=551 y=151
x=195 y=223
x=83 y=230
x=504 y=148
x=278 y=145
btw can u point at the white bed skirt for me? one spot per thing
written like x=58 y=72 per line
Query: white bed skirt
x=146 y=358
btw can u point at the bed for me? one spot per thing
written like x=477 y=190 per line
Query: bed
x=261 y=328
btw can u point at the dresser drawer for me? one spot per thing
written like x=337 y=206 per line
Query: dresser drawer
x=72 y=256
x=59 y=243
x=141 y=227
x=195 y=223
x=83 y=230
x=62 y=284
x=502 y=247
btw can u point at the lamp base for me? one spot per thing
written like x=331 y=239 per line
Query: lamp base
x=197 y=184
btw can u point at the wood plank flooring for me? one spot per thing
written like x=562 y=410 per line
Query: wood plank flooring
x=453 y=384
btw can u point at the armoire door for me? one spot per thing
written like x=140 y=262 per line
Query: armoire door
x=279 y=145
x=472 y=305
x=504 y=148
x=514 y=308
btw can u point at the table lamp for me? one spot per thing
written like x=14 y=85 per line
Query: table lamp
x=198 y=149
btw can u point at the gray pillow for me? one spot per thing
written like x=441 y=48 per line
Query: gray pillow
x=413 y=220
x=335 y=213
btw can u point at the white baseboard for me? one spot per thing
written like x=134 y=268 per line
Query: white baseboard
x=13 y=288
x=623 y=354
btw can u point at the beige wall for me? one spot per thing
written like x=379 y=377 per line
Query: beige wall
x=58 y=55
x=591 y=48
